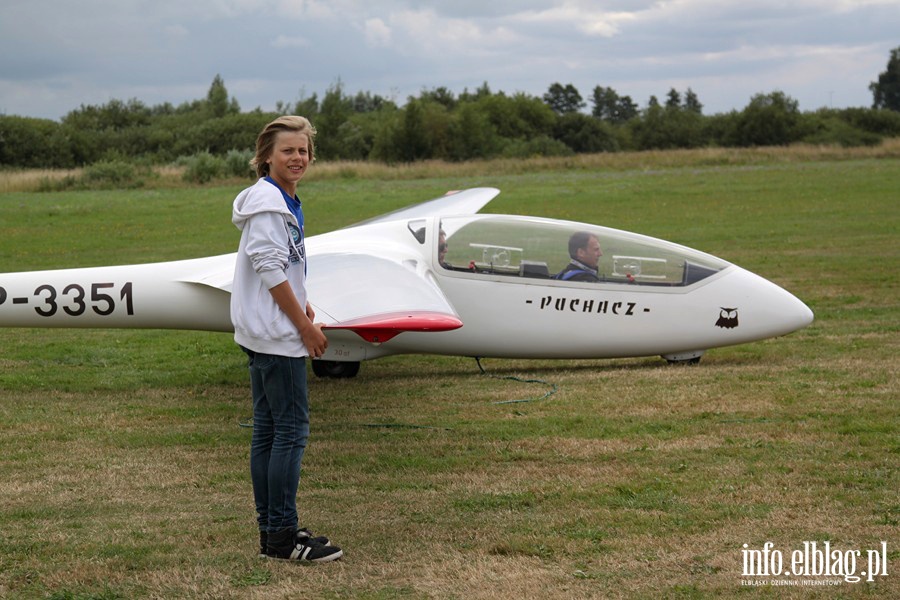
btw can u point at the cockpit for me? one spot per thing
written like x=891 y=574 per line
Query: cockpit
x=532 y=248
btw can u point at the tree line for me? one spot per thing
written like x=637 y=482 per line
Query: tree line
x=438 y=124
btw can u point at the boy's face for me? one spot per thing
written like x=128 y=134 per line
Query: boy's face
x=289 y=158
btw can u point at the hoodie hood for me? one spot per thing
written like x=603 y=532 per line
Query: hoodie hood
x=259 y=198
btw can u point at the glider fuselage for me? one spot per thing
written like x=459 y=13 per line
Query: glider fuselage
x=420 y=281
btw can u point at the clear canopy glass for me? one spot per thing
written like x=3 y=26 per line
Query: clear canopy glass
x=529 y=247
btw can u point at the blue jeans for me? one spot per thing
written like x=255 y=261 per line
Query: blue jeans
x=280 y=431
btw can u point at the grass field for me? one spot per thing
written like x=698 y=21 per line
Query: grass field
x=123 y=462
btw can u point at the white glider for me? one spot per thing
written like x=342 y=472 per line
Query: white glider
x=381 y=289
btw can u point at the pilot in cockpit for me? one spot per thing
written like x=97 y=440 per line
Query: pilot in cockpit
x=419 y=234
x=585 y=253
x=442 y=249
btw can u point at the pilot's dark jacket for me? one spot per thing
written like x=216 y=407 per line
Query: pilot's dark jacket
x=576 y=271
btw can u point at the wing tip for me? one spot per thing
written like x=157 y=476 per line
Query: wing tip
x=378 y=329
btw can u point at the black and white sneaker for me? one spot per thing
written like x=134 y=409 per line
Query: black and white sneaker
x=291 y=544
x=303 y=534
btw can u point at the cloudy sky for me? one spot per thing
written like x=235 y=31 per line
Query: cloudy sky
x=56 y=55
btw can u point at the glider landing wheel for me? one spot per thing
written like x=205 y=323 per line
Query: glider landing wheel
x=334 y=369
x=690 y=361
x=684 y=358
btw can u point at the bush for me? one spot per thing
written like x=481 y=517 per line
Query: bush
x=202 y=167
x=102 y=175
x=661 y=128
x=769 y=120
x=583 y=133
x=110 y=174
x=832 y=131
x=237 y=163
x=542 y=145
x=34 y=143
x=883 y=122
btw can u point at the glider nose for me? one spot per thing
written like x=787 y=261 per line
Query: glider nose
x=802 y=315
x=768 y=310
x=794 y=314
x=790 y=313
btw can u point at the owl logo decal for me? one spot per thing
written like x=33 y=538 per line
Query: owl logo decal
x=728 y=318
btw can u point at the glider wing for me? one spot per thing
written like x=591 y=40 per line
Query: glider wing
x=466 y=202
x=377 y=298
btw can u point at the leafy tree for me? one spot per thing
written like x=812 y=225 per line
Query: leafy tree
x=33 y=143
x=583 y=133
x=441 y=95
x=383 y=147
x=826 y=127
x=484 y=91
x=543 y=145
x=232 y=132
x=436 y=119
x=364 y=102
x=604 y=100
x=517 y=117
x=334 y=110
x=115 y=115
x=353 y=143
x=882 y=122
x=886 y=91
x=481 y=124
x=217 y=98
x=163 y=109
x=692 y=102
x=537 y=118
x=679 y=124
x=348 y=125
x=673 y=99
x=769 y=120
x=95 y=131
x=411 y=142
x=610 y=107
x=563 y=99
x=307 y=106
x=670 y=127
x=471 y=133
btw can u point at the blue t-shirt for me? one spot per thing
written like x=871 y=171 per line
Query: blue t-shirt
x=293 y=203
x=296 y=208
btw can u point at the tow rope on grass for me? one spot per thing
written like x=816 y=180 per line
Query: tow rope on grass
x=553 y=387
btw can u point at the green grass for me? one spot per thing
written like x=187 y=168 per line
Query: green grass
x=123 y=462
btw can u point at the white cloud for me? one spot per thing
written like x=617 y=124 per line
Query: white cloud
x=377 y=33
x=605 y=24
x=286 y=41
x=309 y=9
x=176 y=31
x=55 y=56
x=426 y=34
x=580 y=16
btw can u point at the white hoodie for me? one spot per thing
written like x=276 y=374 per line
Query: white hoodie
x=270 y=252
